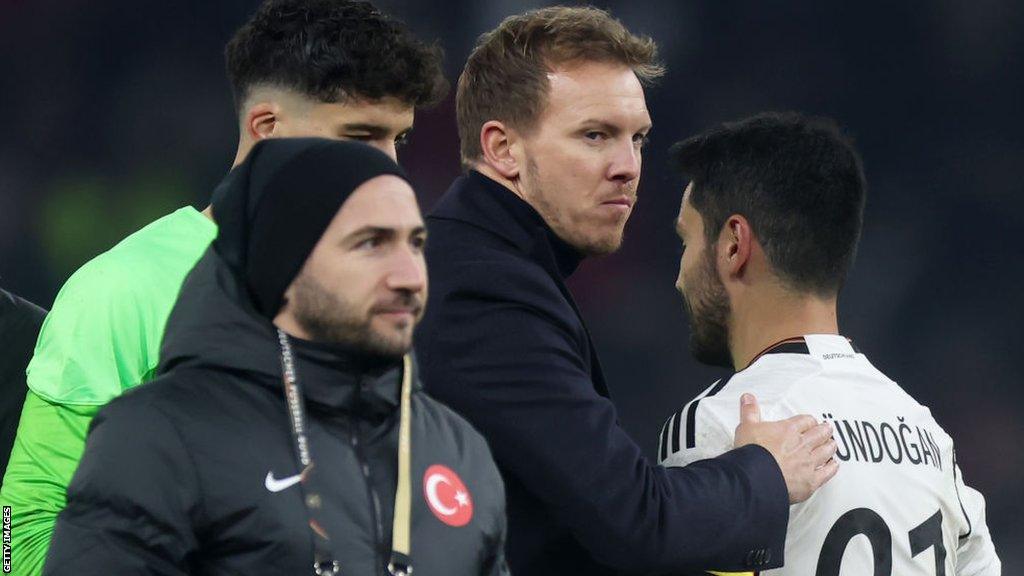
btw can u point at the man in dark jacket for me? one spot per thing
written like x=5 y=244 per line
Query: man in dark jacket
x=20 y=321
x=310 y=292
x=552 y=119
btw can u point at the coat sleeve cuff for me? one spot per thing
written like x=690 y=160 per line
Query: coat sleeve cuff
x=770 y=504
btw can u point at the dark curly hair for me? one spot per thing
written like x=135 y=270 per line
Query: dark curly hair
x=331 y=50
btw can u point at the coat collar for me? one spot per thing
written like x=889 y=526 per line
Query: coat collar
x=334 y=380
x=484 y=203
x=213 y=327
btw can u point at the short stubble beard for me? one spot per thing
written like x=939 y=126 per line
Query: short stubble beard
x=560 y=225
x=329 y=318
x=708 y=309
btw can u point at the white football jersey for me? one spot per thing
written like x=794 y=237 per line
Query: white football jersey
x=898 y=505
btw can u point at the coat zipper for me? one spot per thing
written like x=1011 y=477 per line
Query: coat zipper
x=364 y=467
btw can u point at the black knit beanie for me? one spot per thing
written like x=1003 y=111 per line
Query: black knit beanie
x=272 y=209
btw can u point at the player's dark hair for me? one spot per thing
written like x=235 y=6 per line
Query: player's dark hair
x=331 y=50
x=797 y=180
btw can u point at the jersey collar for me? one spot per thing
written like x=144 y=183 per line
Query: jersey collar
x=821 y=346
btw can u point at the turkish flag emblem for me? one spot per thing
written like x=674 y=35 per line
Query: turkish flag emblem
x=447 y=496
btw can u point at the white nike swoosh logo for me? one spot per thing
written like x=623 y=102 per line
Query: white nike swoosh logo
x=275 y=485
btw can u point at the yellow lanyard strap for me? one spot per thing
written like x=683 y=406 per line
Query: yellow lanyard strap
x=400 y=563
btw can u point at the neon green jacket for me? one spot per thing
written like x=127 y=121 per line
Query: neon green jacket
x=101 y=338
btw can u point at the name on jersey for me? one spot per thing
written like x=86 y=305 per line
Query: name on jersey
x=897 y=442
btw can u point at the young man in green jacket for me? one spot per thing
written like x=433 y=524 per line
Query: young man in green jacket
x=362 y=80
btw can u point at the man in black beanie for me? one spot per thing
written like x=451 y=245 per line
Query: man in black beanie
x=297 y=68
x=287 y=432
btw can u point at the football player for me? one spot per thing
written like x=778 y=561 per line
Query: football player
x=769 y=223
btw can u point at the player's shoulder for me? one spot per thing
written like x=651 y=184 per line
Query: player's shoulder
x=493 y=274
x=705 y=425
x=680 y=431
x=175 y=240
x=774 y=379
x=907 y=410
x=158 y=245
x=103 y=331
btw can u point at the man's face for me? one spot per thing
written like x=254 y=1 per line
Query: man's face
x=384 y=124
x=364 y=285
x=704 y=296
x=582 y=159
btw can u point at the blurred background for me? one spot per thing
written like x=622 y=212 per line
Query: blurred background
x=117 y=112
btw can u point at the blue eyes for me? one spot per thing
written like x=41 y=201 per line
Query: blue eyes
x=639 y=140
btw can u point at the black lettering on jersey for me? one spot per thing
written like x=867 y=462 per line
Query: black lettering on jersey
x=894 y=445
x=867 y=522
x=864 y=441
x=857 y=439
x=926 y=451
x=929 y=535
x=844 y=452
x=935 y=448
x=871 y=433
x=904 y=431
x=856 y=522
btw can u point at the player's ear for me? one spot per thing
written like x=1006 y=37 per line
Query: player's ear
x=735 y=244
x=498 y=144
x=261 y=120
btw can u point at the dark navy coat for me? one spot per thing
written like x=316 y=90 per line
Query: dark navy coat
x=503 y=344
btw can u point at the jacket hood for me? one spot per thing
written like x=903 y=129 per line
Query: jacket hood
x=221 y=320
x=213 y=326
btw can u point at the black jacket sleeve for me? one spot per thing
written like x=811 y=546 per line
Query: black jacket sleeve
x=496 y=353
x=132 y=499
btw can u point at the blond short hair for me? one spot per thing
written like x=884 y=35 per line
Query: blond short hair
x=505 y=77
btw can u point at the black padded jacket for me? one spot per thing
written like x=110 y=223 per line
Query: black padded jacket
x=189 y=474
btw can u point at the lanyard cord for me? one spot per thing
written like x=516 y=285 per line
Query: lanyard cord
x=400 y=563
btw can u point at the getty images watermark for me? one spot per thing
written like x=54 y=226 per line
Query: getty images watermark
x=7 y=539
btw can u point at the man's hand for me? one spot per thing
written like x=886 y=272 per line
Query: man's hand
x=803 y=448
